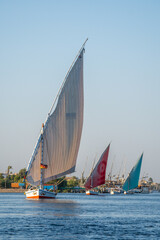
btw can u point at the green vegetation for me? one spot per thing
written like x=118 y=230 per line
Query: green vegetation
x=65 y=184
x=73 y=182
x=5 y=182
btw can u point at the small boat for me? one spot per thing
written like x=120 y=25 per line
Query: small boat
x=132 y=180
x=116 y=191
x=97 y=176
x=56 y=150
x=91 y=192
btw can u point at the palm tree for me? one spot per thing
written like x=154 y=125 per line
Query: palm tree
x=8 y=169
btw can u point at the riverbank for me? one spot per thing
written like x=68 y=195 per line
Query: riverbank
x=11 y=190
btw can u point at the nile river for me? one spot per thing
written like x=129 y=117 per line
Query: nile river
x=77 y=216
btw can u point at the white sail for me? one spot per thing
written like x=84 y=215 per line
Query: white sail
x=62 y=130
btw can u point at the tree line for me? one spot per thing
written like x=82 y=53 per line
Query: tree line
x=5 y=181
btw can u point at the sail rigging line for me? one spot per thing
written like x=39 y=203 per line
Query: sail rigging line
x=93 y=165
x=48 y=116
x=60 y=181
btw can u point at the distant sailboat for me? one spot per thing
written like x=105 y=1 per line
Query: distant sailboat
x=97 y=176
x=133 y=178
x=56 y=150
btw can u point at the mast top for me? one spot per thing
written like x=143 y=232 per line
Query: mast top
x=85 y=42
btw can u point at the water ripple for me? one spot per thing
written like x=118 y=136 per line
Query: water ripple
x=80 y=217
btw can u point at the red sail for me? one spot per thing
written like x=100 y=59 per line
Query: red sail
x=97 y=177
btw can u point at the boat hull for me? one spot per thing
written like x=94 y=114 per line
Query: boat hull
x=114 y=191
x=89 y=192
x=39 y=194
x=133 y=191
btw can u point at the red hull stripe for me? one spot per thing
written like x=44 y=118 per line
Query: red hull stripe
x=91 y=194
x=40 y=197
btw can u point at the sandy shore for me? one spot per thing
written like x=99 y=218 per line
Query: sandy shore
x=11 y=190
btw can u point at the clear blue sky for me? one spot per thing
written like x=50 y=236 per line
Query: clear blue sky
x=39 y=40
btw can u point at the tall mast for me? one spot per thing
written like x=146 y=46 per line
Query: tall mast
x=41 y=169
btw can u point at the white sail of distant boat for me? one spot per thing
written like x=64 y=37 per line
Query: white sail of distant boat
x=56 y=150
x=98 y=174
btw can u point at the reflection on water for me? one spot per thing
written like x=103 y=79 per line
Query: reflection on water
x=51 y=201
x=56 y=207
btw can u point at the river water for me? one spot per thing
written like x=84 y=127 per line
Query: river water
x=77 y=216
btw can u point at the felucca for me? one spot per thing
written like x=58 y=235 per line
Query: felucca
x=97 y=176
x=56 y=150
x=133 y=178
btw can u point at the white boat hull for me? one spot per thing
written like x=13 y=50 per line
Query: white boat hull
x=89 y=192
x=116 y=191
x=133 y=191
x=39 y=194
